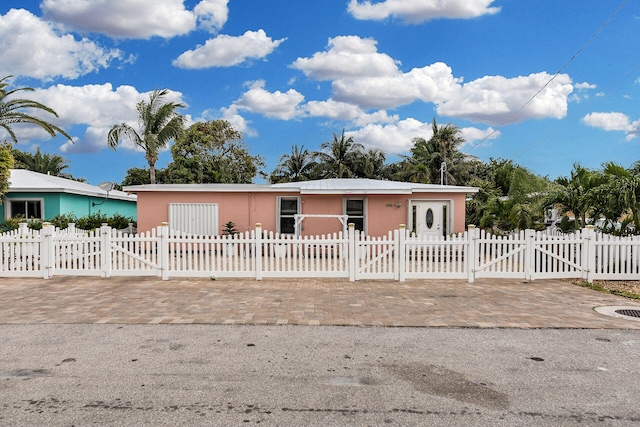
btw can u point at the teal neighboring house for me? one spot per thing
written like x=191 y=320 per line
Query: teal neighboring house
x=36 y=195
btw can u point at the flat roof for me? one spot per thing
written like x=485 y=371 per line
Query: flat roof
x=323 y=186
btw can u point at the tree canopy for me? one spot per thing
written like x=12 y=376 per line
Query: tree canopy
x=212 y=152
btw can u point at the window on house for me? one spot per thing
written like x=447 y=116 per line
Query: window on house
x=355 y=210
x=287 y=208
x=27 y=208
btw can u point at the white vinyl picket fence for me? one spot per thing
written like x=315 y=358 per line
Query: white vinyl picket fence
x=259 y=254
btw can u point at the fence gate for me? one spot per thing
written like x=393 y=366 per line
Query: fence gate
x=559 y=257
x=503 y=256
x=375 y=258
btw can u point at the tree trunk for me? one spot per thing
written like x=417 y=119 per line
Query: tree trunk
x=152 y=172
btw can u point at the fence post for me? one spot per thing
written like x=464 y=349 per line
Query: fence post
x=470 y=259
x=352 y=253
x=529 y=254
x=589 y=260
x=105 y=243
x=23 y=228
x=258 y=250
x=48 y=255
x=164 y=250
x=401 y=253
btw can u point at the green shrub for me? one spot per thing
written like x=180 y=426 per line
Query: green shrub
x=91 y=221
x=62 y=220
x=119 y=222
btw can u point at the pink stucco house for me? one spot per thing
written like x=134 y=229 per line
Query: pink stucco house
x=304 y=208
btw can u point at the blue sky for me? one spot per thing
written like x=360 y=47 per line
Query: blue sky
x=288 y=72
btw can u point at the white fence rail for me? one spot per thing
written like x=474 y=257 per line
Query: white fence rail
x=258 y=254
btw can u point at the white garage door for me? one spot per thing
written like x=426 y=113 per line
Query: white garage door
x=194 y=218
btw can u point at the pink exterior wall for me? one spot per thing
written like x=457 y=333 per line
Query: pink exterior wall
x=246 y=209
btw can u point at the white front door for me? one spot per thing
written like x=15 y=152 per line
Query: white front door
x=430 y=218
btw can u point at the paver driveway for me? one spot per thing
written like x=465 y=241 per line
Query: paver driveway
x=488 y=303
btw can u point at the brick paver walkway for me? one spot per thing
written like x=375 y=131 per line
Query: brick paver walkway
x=488 y=303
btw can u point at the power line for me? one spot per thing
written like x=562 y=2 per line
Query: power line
x=508 y=119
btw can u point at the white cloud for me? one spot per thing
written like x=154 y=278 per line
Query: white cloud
x=584 y=86
x=141 y=19
x=434 y=83
x=417 y=11
x=277 y=105
x=397 y=137
x=32 y=47
x=212 y=14
x=226 y=51
x=96 y=107
x=347 y=57
x=613 y=121
x=497 y=99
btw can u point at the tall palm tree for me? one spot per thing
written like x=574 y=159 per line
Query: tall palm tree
x=297 y=166
x=159 y=123
x=12 y=111
x=338 y=158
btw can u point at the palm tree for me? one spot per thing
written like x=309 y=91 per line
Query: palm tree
x=438 y=159
x=338 y=157
x=371 y=164
x=159 y=123
x=619 y=196
x=576 y=193
x=51 y=164
x=297 y=166
x=12 y=112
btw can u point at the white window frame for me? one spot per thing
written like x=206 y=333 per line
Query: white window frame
x=365 y=211
x=8 y=201
x=279 y=199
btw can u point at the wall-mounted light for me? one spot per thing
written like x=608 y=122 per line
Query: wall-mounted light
x=397 y=205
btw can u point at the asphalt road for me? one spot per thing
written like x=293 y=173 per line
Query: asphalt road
x=124 y=375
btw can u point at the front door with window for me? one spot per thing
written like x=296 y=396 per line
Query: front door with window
x=430 y=218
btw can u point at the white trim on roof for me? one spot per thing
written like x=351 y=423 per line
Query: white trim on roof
x=325 y=186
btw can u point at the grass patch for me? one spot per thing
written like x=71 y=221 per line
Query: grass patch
x=608 y=289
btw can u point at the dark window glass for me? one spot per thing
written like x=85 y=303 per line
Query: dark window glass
x=429 y=218
x=355 y=207
x=287 y=225
x=26 y=208
x=288 y=208
x=355 y=212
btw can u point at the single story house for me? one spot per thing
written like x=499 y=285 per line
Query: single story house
x=304 y=208
x=41 y=196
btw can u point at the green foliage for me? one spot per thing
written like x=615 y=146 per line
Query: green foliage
x=62 y=220
x=91 y=221
x=16 y=111
x=229 y=229
x=338 y=158
x=140 y=176
x=9 y=224
x=46 y=163
x=6 y=164
x=119 y=222
x=212 y=152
